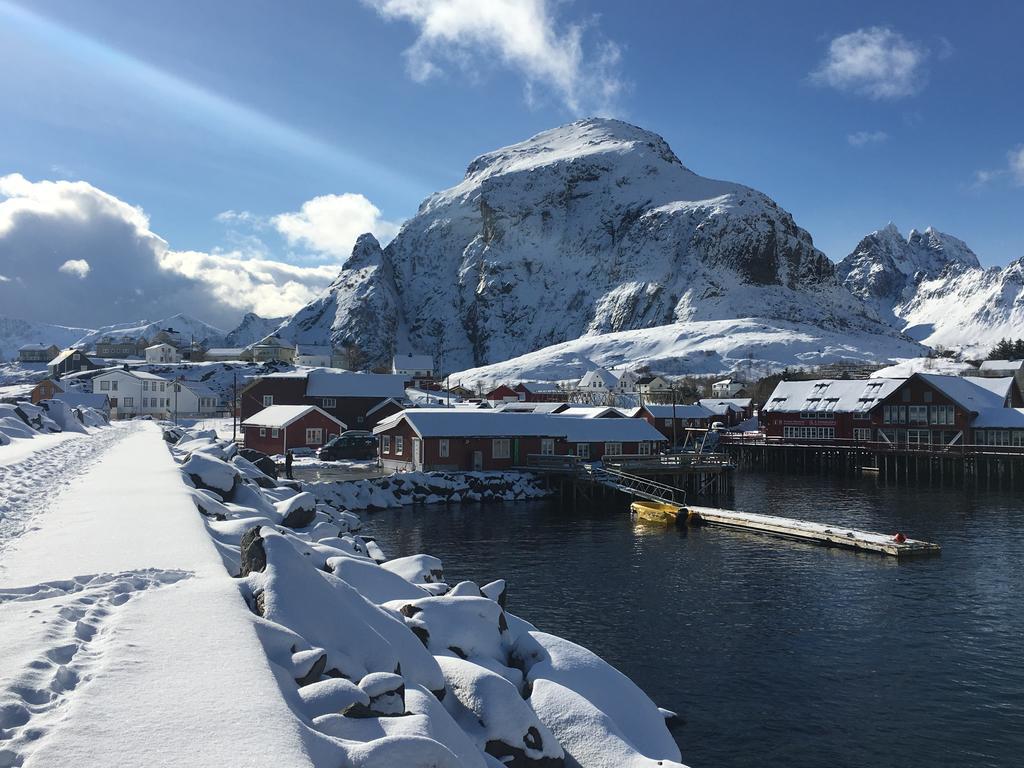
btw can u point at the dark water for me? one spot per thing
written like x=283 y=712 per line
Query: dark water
x=778 y=653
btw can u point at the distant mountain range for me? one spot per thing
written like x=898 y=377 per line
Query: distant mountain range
x=592 y=244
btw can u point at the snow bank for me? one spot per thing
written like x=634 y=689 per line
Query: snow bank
x=25 y=420
x=383 y=663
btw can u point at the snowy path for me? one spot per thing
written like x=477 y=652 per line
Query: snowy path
x=124 y=640
x=33 y=471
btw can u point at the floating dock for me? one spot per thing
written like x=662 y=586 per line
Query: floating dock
x=818 y=533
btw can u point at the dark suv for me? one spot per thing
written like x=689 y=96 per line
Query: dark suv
x=349 y=446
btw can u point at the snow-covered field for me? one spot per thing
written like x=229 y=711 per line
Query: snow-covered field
x=707 y=347
x=180 y=607
x=905 y=368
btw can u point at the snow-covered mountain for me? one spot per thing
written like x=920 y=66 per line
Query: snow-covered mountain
x=185 y=327
x=933 y=287
x=885 y=268
x=15 y=333
x=251 y=329
x=595 y=227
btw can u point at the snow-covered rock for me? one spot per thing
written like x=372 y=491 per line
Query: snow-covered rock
x=594 y=227
x=250 y=329
x=183 y=328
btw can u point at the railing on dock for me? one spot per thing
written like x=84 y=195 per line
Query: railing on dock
x=873 y=446
x=611 y=477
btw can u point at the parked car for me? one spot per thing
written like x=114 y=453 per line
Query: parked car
x=349 y=446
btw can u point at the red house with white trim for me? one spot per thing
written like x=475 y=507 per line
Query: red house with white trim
x=280 y=428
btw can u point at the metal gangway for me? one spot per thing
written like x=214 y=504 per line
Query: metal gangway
x=580 y=469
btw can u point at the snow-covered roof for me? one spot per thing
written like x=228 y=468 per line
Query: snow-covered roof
x=319 y=350
x=660 y=411
x=831 y=395
x=969 y=392
x=722 y=405
x=160 y=345
x=526 y=407
x=280 y=416
x=323 y=382
x=997 y=385
x=64 y=355
x=199 y=390
x=1002 y=365
x=133 y=372
x=591 y=412
x=35 y=347
x=999 y=418
x=599 y=375
x=225 y=351
x=449 y=422
x=411 y=362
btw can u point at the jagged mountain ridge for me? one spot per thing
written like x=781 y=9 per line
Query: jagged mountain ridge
x=594 y=227
x=252 y=328
x=14 y=333
x=184 y=326
x=934 y=288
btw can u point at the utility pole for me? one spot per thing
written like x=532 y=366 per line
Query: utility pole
x=177 y=388
x=234 y=407
x=675 y=439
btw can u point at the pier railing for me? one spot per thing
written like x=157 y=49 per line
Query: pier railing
x=874 y=446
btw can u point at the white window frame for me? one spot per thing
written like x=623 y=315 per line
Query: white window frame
x=275 y=432
x=644 y=448
x=263 y=431
x=443 y=448
x=314 y=436
x=547 y=446
x=666 y=422
x=613 y=449
x=268 y=400
x=399 y=445
x=329 y=402
x=128 y=402
x=501 y=448
x=583 y=450
x=104 y=386
x=385 y=443
x=113 y=385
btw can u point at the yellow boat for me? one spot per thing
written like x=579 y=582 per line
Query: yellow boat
x=657 y=512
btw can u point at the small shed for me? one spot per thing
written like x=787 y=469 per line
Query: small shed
x=279 y=428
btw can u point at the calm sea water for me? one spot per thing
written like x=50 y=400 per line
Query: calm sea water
x=777 y=653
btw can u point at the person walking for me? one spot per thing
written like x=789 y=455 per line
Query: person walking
x=288 y=458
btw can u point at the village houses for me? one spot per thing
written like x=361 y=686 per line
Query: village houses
x=70 y=361
x=277 y=429
x=37 y=353
x=162 y=353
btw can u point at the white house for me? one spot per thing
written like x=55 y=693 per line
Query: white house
x=412 y=366
x=627 y=382
x=134 y=393
x=727 y=388
x=162 y=353
x=313 y=355
x=1001 y=368
x=651 y=384
x=599 y=380
x=192 y=399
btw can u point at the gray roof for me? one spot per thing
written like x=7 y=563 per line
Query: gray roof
x=974 y=392
x=999 y=418
x=84 y=399
x=695 y=411
x=324 y=382
x=1002 y=365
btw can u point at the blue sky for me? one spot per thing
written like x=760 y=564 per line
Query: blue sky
x=849 y=115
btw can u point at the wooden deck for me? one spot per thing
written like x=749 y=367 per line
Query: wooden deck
x=818 y=533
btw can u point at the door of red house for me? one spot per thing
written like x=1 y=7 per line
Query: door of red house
x=478 y=461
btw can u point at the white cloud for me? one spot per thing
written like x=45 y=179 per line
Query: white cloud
x=77 y=267
x=877 y=62
x=133 y=273
x=330 y=224
x=1016 y=163
x=4 y=279
x=523 y=35
x=861 y=138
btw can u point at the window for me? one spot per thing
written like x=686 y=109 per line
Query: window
x=613 y=449
x=894 y=414
x=644 y=449
x=442 y=447
x=942 y=414
x=918 y=414
x=399 y=444
x=905 y=395
x=329 y=402
x=861 y=433
x=928 y=396
x=667 y=422
x=274 y=432
x=583 y=450
x=547 y=446
x=128 y=402
x=385 y=443
x=314 y=436
x=113 y=386
x=918 y=437
x=268 y=400
x=263 y=431
x=104 y=386
x=145 y=386
x=500 y=448
x=359 y=419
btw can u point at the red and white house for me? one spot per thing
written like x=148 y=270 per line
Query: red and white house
x=280 y=428
x=462 y=439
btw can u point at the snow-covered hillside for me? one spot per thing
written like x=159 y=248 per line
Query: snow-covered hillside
x=185 y=327
x=251 y=329
x=708 y=347
x=933 y=288
x=14 y=333
x=594 y=227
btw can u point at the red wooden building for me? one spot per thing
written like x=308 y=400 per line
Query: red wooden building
x=357 y=399
x=280 y=428
x=462 y=439
x=673 y=420
x=503 y=393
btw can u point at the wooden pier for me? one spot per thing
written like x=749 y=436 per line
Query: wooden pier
x=816 y=533
x=963 y=466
